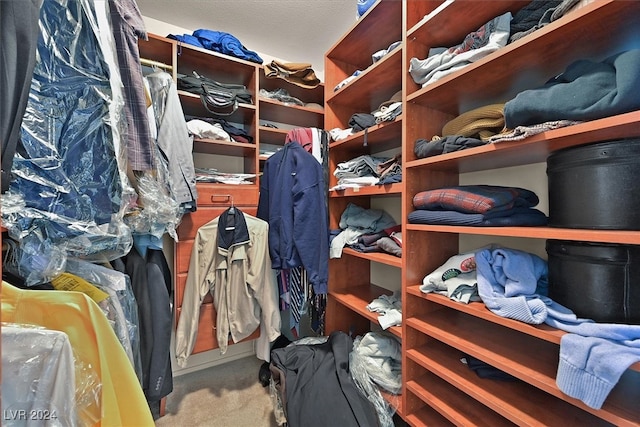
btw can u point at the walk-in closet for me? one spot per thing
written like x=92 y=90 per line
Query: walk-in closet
x=367 y=213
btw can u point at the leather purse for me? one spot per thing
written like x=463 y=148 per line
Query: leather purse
x=218 y=98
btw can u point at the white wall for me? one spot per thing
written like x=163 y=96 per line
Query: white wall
x=531 y=177
x=164 y=29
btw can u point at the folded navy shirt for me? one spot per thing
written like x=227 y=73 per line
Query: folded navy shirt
x=517 y=217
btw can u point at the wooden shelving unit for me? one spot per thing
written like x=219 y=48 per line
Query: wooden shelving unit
x=352 y=285
x=214 y=198
x=437 y=331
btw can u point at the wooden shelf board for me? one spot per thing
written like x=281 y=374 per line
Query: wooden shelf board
x=516 y=401
x=394 y=400
x=479 y=310
x=276 y=103
x=436 y=29
x=215 y=65
x=275 y=111
x=559 y=43
x=272 y=136
x=304 y=94
x=531 y=360
x=425 y=417
x=380 y=137
x=365 y=37
x=534 y=149
x=582 y=235
x=379 y=257
x=371 y=190
x=224 y=148
x=385 y=75
x=357 y=298
x=453 y=404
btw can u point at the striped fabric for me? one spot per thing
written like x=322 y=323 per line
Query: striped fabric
x=475 y=198
x=128 y=26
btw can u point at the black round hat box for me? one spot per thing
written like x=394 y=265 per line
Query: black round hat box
x=595 y=186
x=598 y=281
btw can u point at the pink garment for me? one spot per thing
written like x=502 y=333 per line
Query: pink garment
x=303 y=136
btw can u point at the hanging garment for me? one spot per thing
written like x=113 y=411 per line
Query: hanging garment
x=67 y=170
x=302 y=136
x=151 y=283
x=230 y=260
x=173 y=139
x=293 y=202
x=121 y=401
x=19 y=35
x=120 y=307
x=128 y=27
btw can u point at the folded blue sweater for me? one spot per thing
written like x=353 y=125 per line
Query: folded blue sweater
x=593 y=356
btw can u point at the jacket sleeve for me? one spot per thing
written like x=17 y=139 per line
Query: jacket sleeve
x=263 y=197
x=195 y=290
x=310 y=226
x=261 y=279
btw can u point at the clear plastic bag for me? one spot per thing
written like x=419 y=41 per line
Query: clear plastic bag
x=44 y=382
x=120 y=308
x=69 y=174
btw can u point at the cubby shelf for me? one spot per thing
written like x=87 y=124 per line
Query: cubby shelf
x=232 y=157
x=438 y=331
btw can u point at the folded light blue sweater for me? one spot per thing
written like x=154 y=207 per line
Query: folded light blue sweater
x=593 y=356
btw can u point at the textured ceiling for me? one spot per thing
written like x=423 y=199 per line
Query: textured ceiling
x=292 y=30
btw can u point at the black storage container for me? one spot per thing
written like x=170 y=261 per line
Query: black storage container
x=595 y=280
x=595 y=186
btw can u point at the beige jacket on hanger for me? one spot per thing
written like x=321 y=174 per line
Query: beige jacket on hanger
x=240 y=279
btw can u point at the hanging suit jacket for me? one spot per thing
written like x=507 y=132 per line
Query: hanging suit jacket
x=151 y=283
x=230 y=259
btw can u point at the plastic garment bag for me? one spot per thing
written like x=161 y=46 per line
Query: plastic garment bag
x=69 y=173
x=117 y=398
x=120 y=308
x=38 y=377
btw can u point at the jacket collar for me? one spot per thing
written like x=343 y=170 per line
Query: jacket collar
x=232 y=229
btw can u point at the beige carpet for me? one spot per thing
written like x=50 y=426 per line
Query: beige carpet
x=228 y=395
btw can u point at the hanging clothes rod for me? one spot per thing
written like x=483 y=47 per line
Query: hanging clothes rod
x=152 y=63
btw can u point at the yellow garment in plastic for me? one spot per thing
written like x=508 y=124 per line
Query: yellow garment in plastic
x=123 y=403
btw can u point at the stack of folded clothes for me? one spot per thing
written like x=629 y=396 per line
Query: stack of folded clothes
x=388 y=240
x=477 y=205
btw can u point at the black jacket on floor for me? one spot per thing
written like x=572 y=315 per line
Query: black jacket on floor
x=316 y=387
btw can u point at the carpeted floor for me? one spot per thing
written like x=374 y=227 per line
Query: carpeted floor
x=228 y=395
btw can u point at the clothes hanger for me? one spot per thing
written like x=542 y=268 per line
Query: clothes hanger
x=231 y=219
